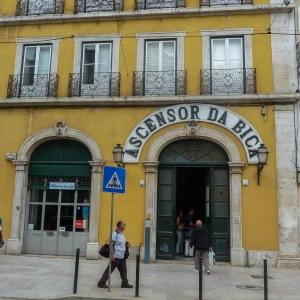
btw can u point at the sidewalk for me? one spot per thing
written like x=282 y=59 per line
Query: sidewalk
x=42 y=277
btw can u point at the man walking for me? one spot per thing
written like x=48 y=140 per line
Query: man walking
x=118 y=259
x=202 y=241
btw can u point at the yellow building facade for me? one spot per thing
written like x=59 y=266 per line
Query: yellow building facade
x=190 y=90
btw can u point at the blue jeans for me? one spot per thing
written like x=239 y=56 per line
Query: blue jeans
x=180 y=241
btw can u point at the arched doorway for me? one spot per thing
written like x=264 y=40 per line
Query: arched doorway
x=193 y=173
x=58 y=198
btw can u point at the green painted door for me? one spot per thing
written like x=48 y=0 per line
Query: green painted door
x=165 y=244
x=220 y=213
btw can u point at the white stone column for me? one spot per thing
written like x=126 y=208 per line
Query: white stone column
x=237 y=250
x=151 y=205
x=93 y=243
x=288 y=218
x=15 y=242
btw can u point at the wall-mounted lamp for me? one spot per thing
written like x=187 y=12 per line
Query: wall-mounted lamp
x=262 y=154
x=118 y=154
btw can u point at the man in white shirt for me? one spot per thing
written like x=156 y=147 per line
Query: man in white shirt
x=118 y=258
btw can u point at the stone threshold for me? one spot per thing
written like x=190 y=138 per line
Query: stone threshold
x=148 y=14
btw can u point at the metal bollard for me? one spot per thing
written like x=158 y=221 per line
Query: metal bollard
x=200 y=277
x=76 y=271
x=265 y=280
x=137 y=276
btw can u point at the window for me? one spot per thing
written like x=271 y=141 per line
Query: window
x=160 y=56
x=227 y=62
x=96 y=59
x=96 y=66
x=160 y=63
x=35 y=68
x=36 y=61
x=227 y=53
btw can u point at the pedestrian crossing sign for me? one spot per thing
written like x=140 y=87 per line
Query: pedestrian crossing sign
x=114 y=180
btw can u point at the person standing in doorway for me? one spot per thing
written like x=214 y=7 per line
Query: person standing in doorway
x=201 y=239
x=180 y=233
x=188 y=227
x=118 y=258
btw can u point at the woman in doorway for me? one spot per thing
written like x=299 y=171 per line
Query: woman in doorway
x=1 y=236
x=180 y=233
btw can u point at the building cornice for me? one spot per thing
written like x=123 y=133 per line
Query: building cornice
x=148 y=14
x=257 y=99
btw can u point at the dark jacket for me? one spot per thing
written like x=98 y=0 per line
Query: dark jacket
x=201 y=238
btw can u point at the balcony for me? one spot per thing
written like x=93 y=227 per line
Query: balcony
x=32 y=86
x=155 y=83
x=228 y=81
x=224 y=2
x=94 y=84
x=96 y=6
x=154 y=4
x=39 y=7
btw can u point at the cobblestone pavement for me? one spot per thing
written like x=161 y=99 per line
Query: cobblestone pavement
x=44 y=277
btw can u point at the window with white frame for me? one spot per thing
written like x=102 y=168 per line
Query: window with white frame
x=227 y=62
x=160 y=64
x=160 y=56
x=227 y=53
x=36 y=61
x=35 y=68
x=96 y=59
x=96 y=66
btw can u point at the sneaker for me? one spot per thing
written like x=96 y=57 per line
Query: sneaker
x=196 y=270
x=127 y=286
x=208 y=272
x=102 y=285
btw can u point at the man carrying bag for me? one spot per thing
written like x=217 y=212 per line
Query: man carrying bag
x=118 y=257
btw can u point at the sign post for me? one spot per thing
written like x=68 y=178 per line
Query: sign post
x=114 y=181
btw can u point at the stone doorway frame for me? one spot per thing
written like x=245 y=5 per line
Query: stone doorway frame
x=235 y=171
x=15 y=242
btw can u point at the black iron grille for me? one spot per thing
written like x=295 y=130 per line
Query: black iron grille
x=159 y=83
x=106 y=84
x=97 y=5
x=228 y=81
x=39 y=7
x=32 y=85
x=151 y=4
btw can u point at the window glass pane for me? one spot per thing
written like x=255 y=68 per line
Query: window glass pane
x=82 y=218
x=168 y=56
x=218 y=54
x=52 y=195
x=152 y=56
x=83 y=196
x=44 y=60
x=66 y=217
x=235 y=57
x=36 y=195
x=89 y=54
x=50 y=220
x=104 y=62
x=67 y=196
x=29 y=57
x=35 y=217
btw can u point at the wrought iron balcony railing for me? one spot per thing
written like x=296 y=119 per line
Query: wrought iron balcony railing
x=97 y=5
x=32 y=86
x=228 y=81
x=159 y=83
x=151 y=4
x=224 y=2
x=39 y=7
x=94 y=84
